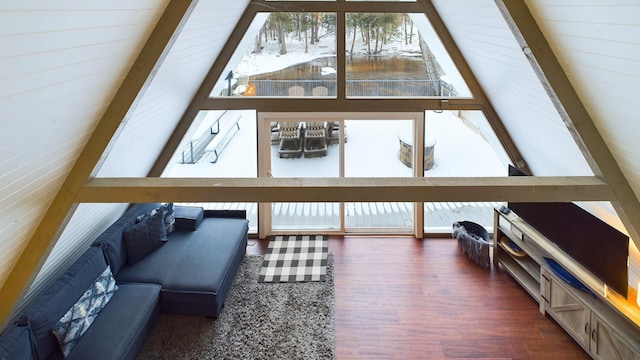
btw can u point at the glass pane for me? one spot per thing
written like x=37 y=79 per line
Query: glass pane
x=283 y=55
x=460 y=144
x=398 y=55
x=220 y=144
x=373 y=149
x=305 y=149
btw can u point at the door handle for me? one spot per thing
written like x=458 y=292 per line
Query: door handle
x=586 y=328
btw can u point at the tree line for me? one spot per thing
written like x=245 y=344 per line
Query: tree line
x=374 y=29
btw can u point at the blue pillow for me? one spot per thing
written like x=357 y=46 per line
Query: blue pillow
x=168 y=215
x=144 y=237
x=76 y=321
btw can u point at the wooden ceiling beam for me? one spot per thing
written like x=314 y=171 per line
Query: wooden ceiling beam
x=522 y=188
x=306 y=105
x=337 y=6
x=573 y=112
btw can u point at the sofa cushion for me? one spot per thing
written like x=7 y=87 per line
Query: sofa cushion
x=49 y=306
x=122 y=327
x=75 y=322
x=144 y=237
x=15 y=342
x=111 y=240
x=188 y=218
x=167 y=211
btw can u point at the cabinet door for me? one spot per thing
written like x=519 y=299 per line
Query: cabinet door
x=571 y=313
x=607 y=344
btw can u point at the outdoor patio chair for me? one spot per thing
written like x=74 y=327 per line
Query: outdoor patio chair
x=290 y=140
x=320 y=91
x=315 y=139
x=296 y=91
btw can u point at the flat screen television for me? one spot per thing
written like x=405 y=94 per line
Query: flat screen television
x=599 y=247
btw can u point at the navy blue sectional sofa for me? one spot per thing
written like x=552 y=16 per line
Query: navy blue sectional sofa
x=189 y=271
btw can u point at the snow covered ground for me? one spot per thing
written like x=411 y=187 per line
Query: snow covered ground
x=371 y=150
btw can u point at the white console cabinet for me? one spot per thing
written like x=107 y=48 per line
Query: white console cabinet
x=607 y=326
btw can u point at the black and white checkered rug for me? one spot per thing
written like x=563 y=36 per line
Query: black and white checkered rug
x=295 y=258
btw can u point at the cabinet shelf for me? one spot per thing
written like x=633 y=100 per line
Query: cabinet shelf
x=599 y=324
x=526 y=263
x=522 y=276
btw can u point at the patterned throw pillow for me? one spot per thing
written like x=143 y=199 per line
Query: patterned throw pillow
x=144 y=237
x=167 y=213
x=80 y=316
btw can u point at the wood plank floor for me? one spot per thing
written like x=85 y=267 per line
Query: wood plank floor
x=402 y=298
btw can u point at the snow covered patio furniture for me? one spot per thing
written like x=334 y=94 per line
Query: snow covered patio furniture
x=290 y=140
x=315 y=139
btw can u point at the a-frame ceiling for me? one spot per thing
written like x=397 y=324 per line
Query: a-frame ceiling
x=80 y=186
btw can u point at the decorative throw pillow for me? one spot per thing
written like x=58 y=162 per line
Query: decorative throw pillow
x=144 y=237
x=75 y=322
x=168 y=215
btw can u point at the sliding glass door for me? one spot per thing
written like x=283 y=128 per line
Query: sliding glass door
x=337 y=145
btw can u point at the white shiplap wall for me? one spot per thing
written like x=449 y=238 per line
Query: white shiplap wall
x=60 y=64
x=598 y=45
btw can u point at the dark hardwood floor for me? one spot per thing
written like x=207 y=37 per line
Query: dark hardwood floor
x=402 y=298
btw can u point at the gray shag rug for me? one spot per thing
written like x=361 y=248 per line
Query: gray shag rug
x=258 y=321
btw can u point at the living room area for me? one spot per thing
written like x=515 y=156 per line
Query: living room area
x=396 y=297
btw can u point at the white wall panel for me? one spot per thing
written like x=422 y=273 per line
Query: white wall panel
x=60 y=65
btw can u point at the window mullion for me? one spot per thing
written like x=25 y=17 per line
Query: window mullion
x=340 y=55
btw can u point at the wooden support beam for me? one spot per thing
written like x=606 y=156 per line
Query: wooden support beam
x=525 y=188
x=51 y=225
x=573 y=112
x=310 y=104
x=338 y=6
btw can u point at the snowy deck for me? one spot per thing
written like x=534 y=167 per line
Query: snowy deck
x=440 y=215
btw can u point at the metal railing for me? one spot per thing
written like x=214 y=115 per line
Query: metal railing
x=355 y=88
x=196 y=148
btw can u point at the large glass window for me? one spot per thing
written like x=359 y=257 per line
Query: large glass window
x=386 y=56
x=304 y=147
